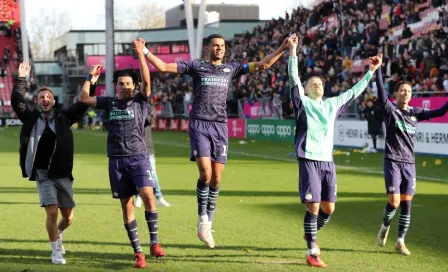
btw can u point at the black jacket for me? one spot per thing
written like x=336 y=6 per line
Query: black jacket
x=62 y=161
x=373 y=116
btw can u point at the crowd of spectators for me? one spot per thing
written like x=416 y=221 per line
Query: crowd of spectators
x=334 y=36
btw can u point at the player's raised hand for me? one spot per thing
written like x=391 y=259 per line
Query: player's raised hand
x=95 y=71
x=375 y=62
x=284 y=45
x=138 y=45
x=293 y=41
x=24 y=69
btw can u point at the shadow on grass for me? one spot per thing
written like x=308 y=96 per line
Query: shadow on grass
x=37 y=203
x=244 y=250
x=116 y=261
x=43 y=257
x=427 y=229
x=192 y=192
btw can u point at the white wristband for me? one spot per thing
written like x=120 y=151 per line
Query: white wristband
x=145 y=51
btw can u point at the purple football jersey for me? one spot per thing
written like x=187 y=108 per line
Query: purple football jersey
x=126 y=124
x=401 y=126
x=211 y=84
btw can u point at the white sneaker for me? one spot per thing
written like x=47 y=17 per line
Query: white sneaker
x=57 y=258
x=162 y=202
x=401 y=248
x=205 y=232
x=210 y=242
x=60 y=246
x=138 y=201
x=374 y=150
x=381 y=238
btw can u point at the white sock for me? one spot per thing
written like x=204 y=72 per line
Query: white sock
x=311 y=252
x=60 y=233
x=400 y=240
x=210 y=224
x=54 y=246
x=203 y=218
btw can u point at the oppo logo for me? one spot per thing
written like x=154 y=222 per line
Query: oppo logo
x=268 y=130
x=253 y=129
x=283 y=131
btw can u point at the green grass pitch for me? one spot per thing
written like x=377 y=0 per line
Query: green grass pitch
x=258 y=221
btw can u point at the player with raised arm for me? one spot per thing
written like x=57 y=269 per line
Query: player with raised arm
x=129 y=168
x=315 y=119
x=208 y=119
x=399 y=158
x=46 y=154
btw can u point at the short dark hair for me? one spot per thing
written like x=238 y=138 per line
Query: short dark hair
x=44 y=88
x=398 y=85
x=209 y=39
x=130 y=72
x=311 y=77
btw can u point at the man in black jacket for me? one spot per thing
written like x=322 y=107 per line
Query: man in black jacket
x=46 y=154
x=373 y=115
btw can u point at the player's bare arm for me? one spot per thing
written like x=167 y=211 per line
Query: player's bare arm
x=91 y=79
x=271 y=58
x=155 y=61
x=139 y=45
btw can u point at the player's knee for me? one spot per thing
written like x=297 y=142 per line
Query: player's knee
x=205 y=173
x=312 y=208
x=328 y=209
x=127 y=206
x=394 y=202
x=68 y=218
x=146 y=198
x=215 y=178
x=52 y=212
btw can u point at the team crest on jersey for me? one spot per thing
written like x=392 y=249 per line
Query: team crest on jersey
x=226 y=70
x=413 y=118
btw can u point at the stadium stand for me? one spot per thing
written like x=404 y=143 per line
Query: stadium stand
x=336 y=37
x=10 y=49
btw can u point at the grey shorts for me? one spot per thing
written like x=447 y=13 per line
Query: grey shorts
x=54 y=191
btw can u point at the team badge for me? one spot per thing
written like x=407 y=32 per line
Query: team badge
x=413 y=118
x=226 y=70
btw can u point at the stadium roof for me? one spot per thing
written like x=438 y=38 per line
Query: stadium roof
x=228 y=29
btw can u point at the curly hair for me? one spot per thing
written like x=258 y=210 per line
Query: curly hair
x=130 y=72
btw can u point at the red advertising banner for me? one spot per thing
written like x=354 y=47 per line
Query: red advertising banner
x=236 y=128
x=184 y=125
x=124 y=62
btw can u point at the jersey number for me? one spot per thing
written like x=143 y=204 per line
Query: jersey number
x=224 y=152
x=150 y=175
